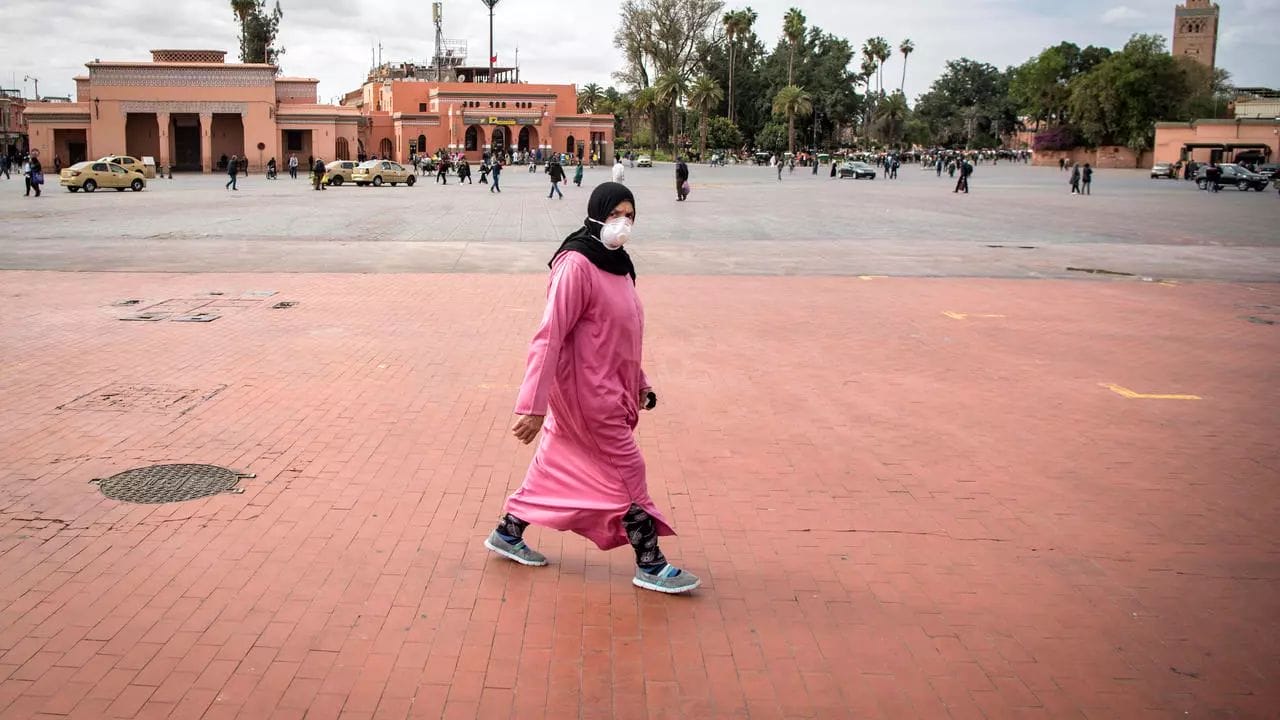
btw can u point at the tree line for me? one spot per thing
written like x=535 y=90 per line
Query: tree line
x=696 y=75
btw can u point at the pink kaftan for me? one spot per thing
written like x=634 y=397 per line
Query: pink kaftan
x=584 y=362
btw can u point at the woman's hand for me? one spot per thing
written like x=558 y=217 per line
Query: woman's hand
x=526 y=427
x=644 y=398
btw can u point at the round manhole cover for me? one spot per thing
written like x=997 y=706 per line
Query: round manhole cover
x=169 y=483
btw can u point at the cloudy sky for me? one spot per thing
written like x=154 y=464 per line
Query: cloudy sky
x=571 y=40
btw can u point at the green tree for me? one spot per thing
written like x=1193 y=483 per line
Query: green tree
x=646 y=105
x=1040 y=88
x=670 y=87
x=658 y=36
x=722 y=134
x=792 y=102
x=968 y=105
x=793 y=29
x=891 y=119
x=258 y=30
x=736 y=24
x=704 y=94
x=906 y=48
x=590 y=97
x=772 y=137
x=878 y=49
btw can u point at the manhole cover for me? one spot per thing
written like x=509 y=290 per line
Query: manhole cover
x=284 y=304
x=169 y=483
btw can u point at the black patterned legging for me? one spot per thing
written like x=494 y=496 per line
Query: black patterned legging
x=641 y=533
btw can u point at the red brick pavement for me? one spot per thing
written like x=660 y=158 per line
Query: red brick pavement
x=897 y=513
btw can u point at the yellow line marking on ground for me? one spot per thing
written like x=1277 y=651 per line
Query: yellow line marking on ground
x=871 y=277
x=964 y=316
x=1130 y=394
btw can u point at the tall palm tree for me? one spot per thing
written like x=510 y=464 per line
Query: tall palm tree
x=668 y=89
x=793 y=28
x=242 y=9
x=646 y=104
x=732 y=21
x=906 y=48
x=891 y=118
x=881 y=51
x=868 y=71
x=704 y=94
x=589 y=98
x=792 y=102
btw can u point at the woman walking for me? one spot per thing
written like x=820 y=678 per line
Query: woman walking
x=1075 y=179
x=577 y=175
x=588 y=475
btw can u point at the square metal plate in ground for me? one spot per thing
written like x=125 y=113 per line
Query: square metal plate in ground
x=196 y=317
x=283 y=304
x=127 y=398
x=148 y=316
x=169 y=483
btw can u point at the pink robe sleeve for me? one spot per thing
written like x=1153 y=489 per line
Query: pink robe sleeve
x=566 y=300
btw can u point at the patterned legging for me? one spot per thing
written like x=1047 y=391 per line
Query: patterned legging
x=641 y=533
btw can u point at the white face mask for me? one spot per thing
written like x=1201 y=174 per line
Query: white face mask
x=615 y=233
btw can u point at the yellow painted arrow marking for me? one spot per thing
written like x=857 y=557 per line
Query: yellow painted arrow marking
x=964 y=316
x=871 y=277
x=1127 y=393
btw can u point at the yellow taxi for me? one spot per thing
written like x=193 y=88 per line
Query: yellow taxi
x=132 y=164
x=338 y=172
x=90 y=176
x=377 y=172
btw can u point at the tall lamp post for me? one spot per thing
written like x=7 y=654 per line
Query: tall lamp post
x=490 y=3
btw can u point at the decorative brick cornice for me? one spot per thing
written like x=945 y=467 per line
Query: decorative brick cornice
x=183 y=106
x=169 y=76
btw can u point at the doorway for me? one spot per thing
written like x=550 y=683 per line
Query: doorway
x=186 y=142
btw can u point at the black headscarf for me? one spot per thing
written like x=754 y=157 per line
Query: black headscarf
x=586 y=239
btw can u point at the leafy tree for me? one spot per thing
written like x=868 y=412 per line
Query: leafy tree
x=721 y=133
x=906 y=48
x=704 y=93
x=646 y=105
x=772 y=137
x=659 y=36
x=1041 y=87
x=891 y=119
x=793 y=29
x=792 y=101
x=968 y=105
x=258 y=30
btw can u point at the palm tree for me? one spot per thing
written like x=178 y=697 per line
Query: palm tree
x=878 y=48
x=793 y=28
x=703 y=95
x=669 y=88
x=792 y=102
x=646 y=103
x=868 y=71
x=732 y=21
x=242 y=9
x=891 y=118
x=906 y=48
x=589 y=98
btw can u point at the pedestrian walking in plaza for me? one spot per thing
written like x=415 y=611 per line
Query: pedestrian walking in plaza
x=556 y=173
x=833 y=167
x=233 y=169
x=464 y=172
x=966 y=169
x=1075 y=179
x=682 y=180
x=317 y=175
x=497 y=173
x=779 y=172
x=33 y=172
x=484 y=172
x=1086 y=179
x=584 y=388
x=4 y=166
x=577 y=176
x=442 y=171
x=271 y=169
x=293 y=166
x=619 y=172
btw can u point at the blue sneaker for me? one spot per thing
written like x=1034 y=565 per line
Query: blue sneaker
x=517 y=551
x=669 y=579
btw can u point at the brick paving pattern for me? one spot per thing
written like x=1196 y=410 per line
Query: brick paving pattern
x=896 y=512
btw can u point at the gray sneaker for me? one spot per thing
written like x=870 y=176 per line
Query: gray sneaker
x=518 y=551
x=666 y=580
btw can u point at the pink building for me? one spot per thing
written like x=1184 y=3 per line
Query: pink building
x=407 y=111
x=189 y=110
x=1218 y=140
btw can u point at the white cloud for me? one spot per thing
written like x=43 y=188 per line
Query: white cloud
x=1122 y=15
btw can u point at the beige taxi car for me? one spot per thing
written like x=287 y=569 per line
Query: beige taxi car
x=379 y=172
x=90 y=176
x=132 y=164
x=338 y=172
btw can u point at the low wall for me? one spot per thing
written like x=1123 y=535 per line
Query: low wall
x=1109 y=157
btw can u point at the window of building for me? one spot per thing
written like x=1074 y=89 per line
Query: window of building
x=422 y=107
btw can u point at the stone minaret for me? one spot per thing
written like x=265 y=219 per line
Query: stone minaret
x=1195 y=31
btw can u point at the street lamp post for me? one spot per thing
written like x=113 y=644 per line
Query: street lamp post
x=490 y=3
x=36 y=80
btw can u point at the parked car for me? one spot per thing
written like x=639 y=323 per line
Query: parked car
x=338 y=172
x=1271 y=171
x=1236 y=175
x=378 y=172
x=90 y=176
x=132 y=164
x=1163 y=170
x=644 y=161
x=857 y=170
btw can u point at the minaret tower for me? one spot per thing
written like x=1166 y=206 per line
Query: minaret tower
x=1195 y=31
